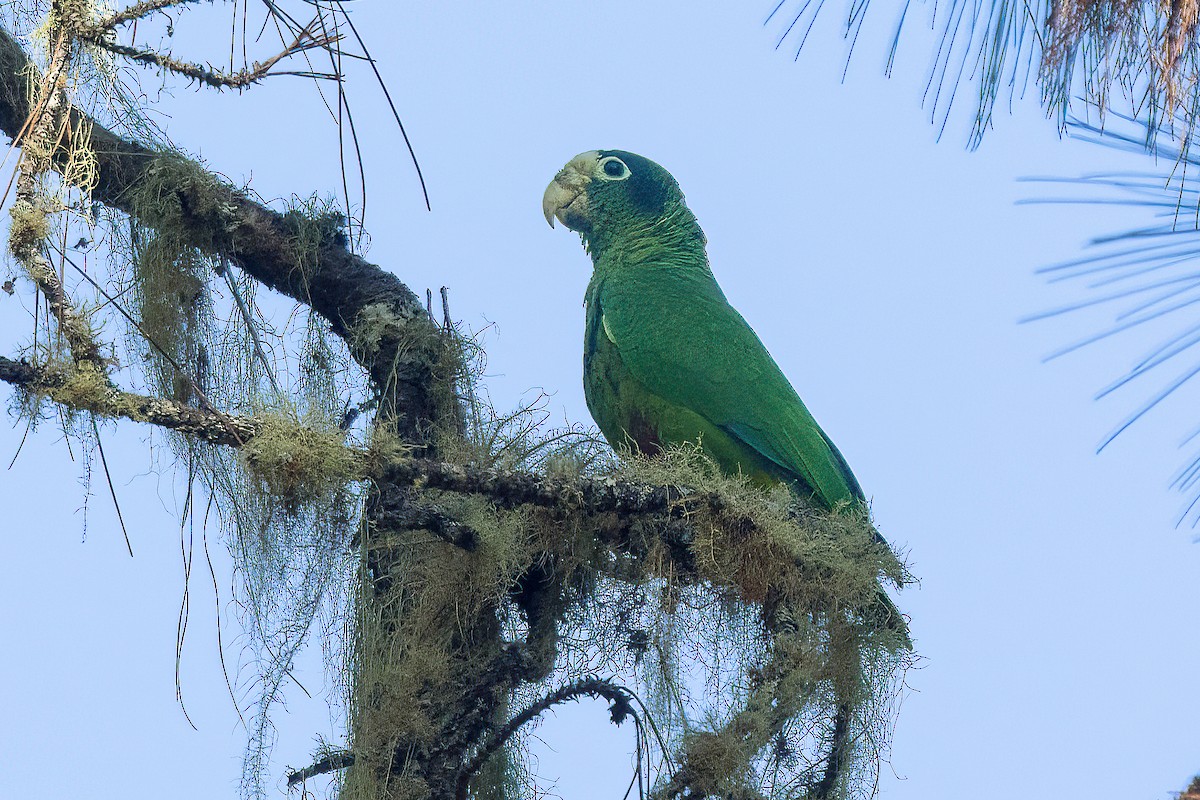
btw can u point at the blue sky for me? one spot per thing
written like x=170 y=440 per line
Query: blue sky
x=885 y=271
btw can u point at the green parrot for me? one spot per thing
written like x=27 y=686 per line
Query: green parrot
x=666 y=358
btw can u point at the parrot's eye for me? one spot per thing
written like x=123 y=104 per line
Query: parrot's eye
x=614 y=168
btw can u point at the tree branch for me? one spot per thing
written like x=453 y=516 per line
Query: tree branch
x=220 y=220
x=86 y=390
x=139 y=11
x=513 y=488
x=621 y=709
x=330 y=763
x=588 y=495
x=30 y=211
x=102 y=37
x=410 y=516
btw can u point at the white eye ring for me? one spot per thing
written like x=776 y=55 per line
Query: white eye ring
x=612 y=168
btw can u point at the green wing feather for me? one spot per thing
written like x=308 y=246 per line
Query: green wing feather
x=678 y=337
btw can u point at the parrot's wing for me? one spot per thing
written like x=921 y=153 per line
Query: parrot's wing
x=690 y=347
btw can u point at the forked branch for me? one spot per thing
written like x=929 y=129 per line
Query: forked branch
x=139 y=11
x=622 y=707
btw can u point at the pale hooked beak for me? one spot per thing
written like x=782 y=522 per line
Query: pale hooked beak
x=565 y=198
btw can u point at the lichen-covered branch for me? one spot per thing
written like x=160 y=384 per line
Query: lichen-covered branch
x=220 y=220
x=428 y=517
x=513 y=488
x=84 y=389
x=43 y=132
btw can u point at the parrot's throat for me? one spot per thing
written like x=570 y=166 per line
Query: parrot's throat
x=673 y=239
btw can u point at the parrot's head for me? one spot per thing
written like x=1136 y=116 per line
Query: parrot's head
x=606 y=195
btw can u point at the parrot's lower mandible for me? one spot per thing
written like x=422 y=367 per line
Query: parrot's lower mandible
x=667 y=359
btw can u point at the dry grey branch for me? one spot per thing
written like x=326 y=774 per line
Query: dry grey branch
x=512 y=488
x=306 y=40
x=428 y=517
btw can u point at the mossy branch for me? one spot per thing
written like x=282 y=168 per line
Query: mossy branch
x=84 y=389
x=43 y=133
x=337 y=284
x=512 y=488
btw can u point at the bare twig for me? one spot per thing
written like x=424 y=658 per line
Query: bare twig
x=412 y=154
x=139 y=11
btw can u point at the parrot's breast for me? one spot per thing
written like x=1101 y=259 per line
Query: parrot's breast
x=623 y=408
x=633 y=417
